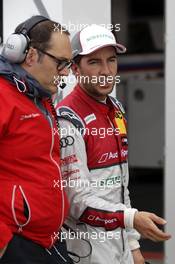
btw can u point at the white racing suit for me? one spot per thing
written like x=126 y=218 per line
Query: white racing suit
x=94 y=153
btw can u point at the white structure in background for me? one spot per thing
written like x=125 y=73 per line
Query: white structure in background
x=72 y=14
x=14 y=12
x=170 y=130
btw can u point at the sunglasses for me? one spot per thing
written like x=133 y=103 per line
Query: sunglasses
x=61 y=63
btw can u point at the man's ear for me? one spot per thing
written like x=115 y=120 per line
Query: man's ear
x=31 y=57
x=75 y=69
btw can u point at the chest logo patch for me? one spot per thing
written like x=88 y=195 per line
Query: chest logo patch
x=90 y=118
x=119 y=120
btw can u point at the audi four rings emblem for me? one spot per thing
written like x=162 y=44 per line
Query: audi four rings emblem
x=66 y=141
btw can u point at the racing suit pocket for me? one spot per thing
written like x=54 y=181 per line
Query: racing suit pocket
x=20 y=207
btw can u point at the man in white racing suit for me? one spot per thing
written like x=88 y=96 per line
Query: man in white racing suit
x=94 y=151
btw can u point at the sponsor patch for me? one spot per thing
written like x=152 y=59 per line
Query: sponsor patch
x=108 y=156
x=110 y=181
x=119 y=120
x=89 y=118
x=29 y=116
x=69 y=160
x=66 y=141
x=69 y=173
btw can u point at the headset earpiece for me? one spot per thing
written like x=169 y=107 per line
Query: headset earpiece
x=15 y=49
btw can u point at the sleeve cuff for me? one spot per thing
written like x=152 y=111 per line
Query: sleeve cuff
x=133 y=244
x=129 y=217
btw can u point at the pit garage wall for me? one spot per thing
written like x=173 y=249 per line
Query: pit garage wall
x=71 y=13
x=16 y=11
x=170 y=130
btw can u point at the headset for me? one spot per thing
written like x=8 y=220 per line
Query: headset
x=16 y=47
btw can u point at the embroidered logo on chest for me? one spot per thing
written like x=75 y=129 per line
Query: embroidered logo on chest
x=90 y=118
x=29 y=116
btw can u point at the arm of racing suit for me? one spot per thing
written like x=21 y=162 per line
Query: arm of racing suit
x=133 y=235
x=85 y=204
x=5 y=232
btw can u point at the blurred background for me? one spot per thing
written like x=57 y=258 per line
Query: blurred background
x=146 y=89
x=142 y=91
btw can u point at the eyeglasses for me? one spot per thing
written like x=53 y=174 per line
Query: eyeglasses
x=61 y=63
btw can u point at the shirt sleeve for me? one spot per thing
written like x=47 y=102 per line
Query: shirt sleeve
x=133 y=235
x=5 y=232
x=85 y=204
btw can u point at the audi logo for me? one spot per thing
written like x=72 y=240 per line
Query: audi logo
x=66 y=141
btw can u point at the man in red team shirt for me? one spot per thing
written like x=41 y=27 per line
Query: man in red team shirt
x=32 y=209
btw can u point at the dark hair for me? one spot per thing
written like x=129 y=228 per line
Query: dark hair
x=77 y=59
x=40 y=34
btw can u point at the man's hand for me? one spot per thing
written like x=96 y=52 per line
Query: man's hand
x=145 y=224
x=137 y=256
x=2 y=251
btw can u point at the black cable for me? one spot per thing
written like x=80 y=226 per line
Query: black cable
x=49 y=100
x=74 y=254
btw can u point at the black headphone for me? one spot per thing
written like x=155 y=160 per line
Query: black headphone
x=15 y=49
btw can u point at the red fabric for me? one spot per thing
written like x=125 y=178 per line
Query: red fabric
x=7 y=235
x=99 y=218
x=25 y=147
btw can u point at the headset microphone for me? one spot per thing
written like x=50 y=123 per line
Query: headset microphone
x=62 y=84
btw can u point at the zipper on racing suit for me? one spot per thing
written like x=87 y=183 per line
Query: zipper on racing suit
x=46 y=113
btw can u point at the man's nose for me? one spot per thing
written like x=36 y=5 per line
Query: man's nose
x=105 y=69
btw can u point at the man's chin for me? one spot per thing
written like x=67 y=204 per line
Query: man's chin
x=105 y=89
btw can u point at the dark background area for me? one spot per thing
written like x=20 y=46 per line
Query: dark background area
x=146 y=8
x=142 y=67
x=146 y=192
